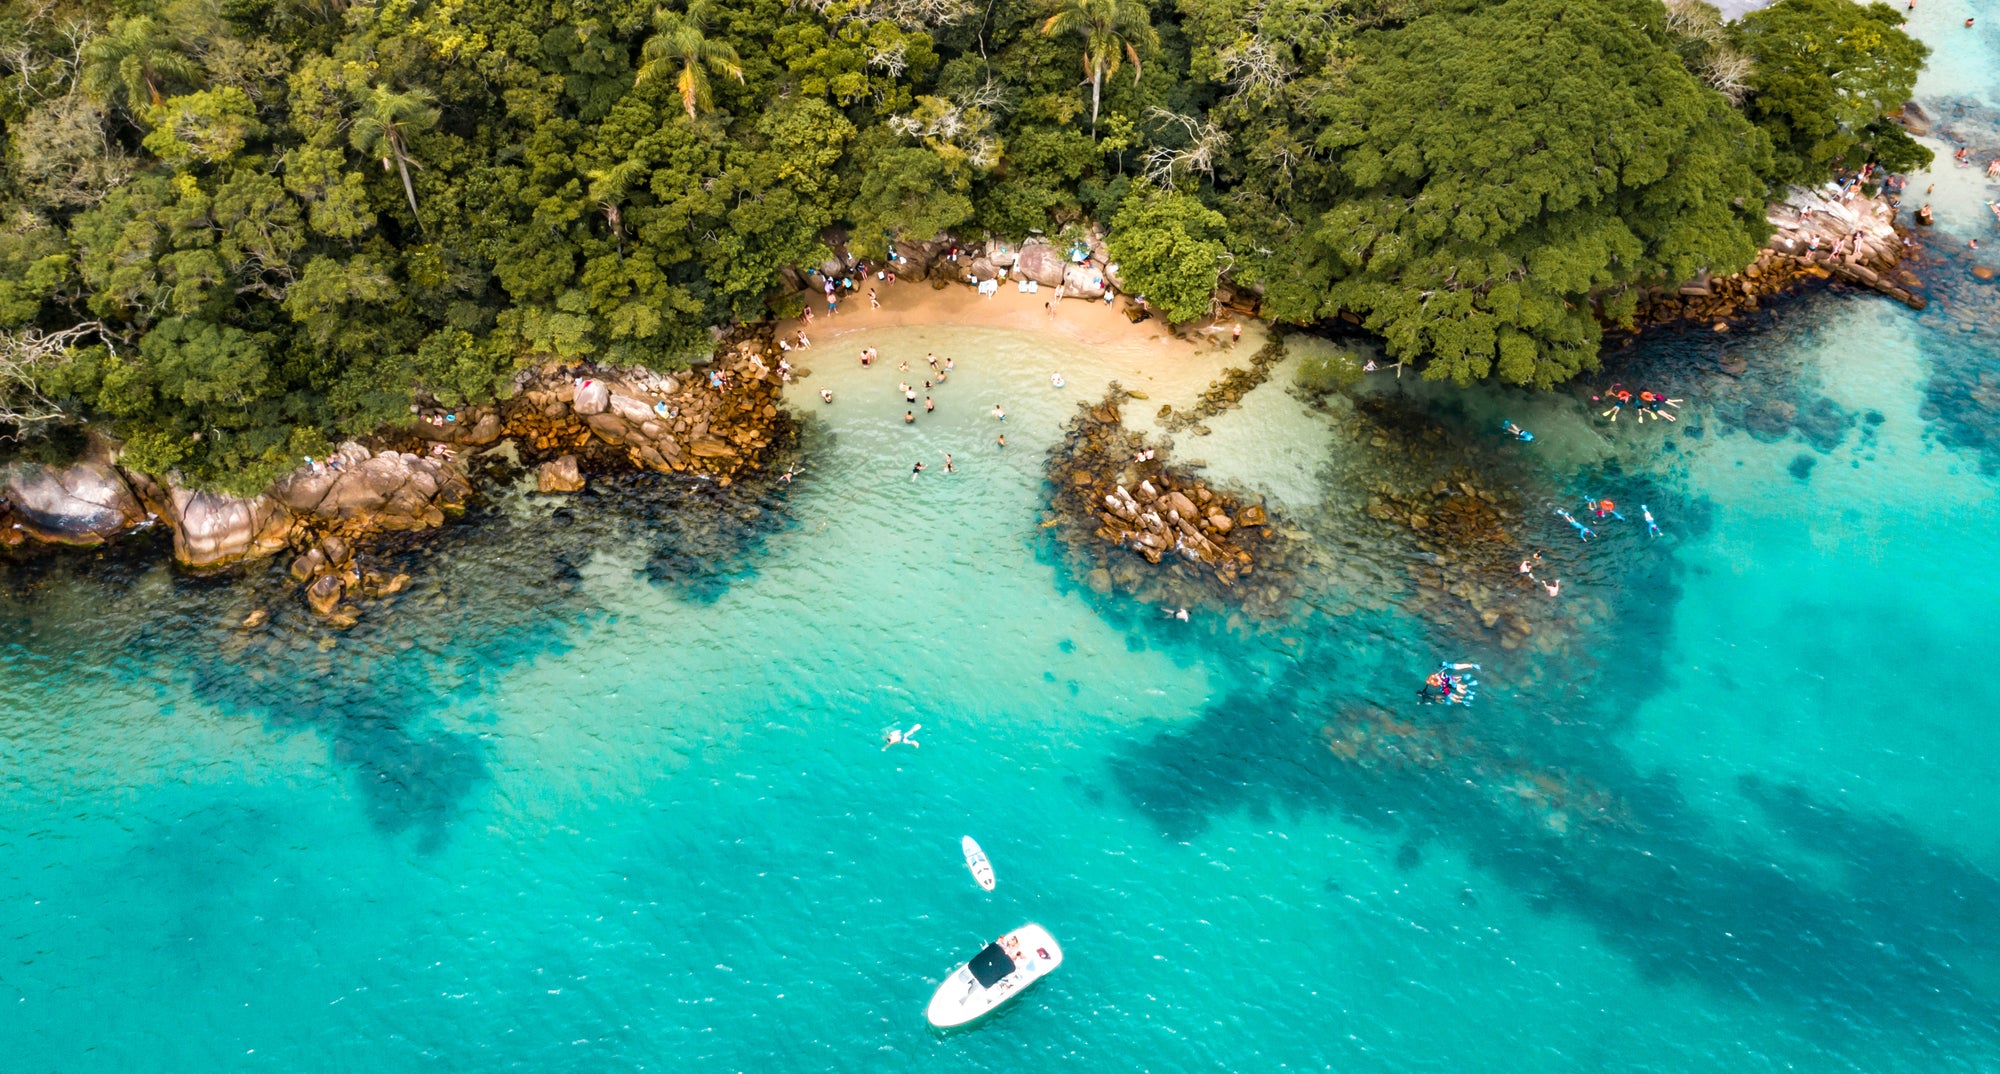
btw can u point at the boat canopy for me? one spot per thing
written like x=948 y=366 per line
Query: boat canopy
x=990 y=966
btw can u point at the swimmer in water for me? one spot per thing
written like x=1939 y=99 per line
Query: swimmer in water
x=909 y=417
x=1583 y=532
x=948 y=467
x=1601 y=508
x=1516 y=431
x=826 y=394
x=903 y=366
x=902 y=738
x=1554 y=588
x=998 y=413
x=1002 y=441
x=1652 y=527
x=915 y=470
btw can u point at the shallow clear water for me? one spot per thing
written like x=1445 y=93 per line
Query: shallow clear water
x=605 y=791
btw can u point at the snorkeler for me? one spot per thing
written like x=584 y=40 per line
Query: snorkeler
x=1652 y=527
x=1451 y=689
x=1516 y=431
x=1601 y=508
x=1583 y=532
x=903 y=738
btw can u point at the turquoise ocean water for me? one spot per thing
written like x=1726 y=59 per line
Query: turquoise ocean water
x=604 y=790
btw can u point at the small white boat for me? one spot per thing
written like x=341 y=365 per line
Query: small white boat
x=975 y=860
x=1008 y=966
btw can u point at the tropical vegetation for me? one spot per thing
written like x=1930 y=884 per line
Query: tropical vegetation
x=233 y=230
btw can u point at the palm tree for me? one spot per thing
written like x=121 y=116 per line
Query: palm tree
x=608 y=186
x=1109 y=28
x=134 y=60
x=682 y=50
x=384 y=125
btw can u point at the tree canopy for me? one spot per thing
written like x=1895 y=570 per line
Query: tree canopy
x=237 y=229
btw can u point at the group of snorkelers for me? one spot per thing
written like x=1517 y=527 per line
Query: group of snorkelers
x=1645 y=404
x=1600 y=510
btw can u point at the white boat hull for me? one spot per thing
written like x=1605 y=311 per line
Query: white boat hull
x=975 y=860
x=1030 y=953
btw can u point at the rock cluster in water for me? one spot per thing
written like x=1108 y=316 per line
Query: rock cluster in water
x=1809 y=227
x=1148 y=529
x=1227 y=391
x=328 y=513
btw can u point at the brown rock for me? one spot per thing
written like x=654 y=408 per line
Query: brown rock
x=325 y=593
x=308 y=565
x=561 y=475
x=708 y=447
x=1252 y=515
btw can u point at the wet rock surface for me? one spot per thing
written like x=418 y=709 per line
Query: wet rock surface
x=1809 y=228
x=1228 y=390
x=1149 y=530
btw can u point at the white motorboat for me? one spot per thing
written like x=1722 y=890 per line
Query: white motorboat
x=975 y=860
x=1008 y=966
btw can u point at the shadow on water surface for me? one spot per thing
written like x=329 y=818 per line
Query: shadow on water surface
x=399 y=696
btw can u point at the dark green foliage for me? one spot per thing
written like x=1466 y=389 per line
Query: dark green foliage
x=266 y=224
x=1826 y=71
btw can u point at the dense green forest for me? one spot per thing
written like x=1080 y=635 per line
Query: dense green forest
x=235 y=229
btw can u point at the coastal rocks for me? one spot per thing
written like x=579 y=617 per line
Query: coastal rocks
x=84 y=503
x=359 y=492
x=1140 y=527
x=721 y=421
x=1228 y=390
x=1817 y=238
x=1041 y=263
x=592 y=397
x=1083 y=281
x=559 y=475
x=212 y=529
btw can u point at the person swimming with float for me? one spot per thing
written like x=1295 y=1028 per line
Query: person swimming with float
x=1602 y=508
x=1515 y=431
x=1652 y=527
x=1055 y=380
x=1583 y=532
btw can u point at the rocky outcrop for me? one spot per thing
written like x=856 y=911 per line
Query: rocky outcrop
x=84 y=503
x=1810 y=227
x=1041 y=263
x=1127 y=515
x=212 y=528
x=721 y=420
